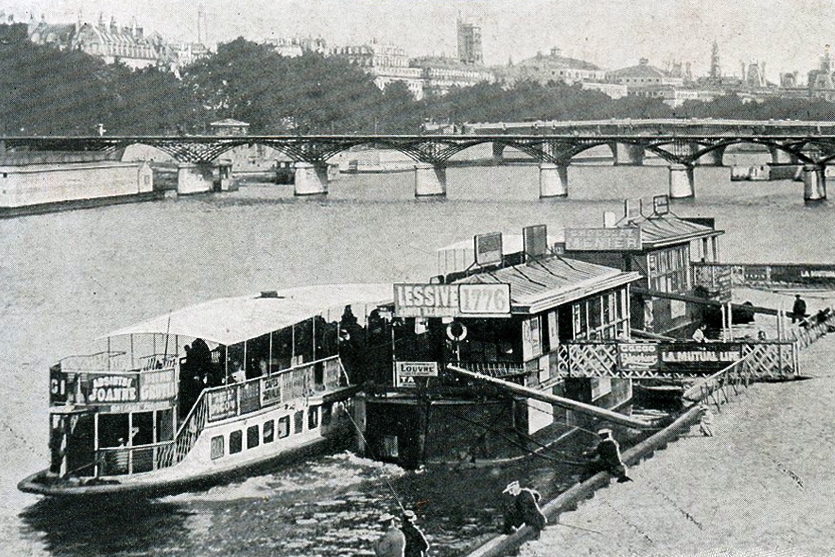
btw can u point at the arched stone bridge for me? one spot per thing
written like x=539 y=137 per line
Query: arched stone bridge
x=683 y=144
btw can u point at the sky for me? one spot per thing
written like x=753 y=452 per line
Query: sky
x=788 y=35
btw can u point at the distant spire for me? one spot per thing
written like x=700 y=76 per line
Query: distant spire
x=715 y=67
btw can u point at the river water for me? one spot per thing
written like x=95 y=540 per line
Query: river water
x=70 y=277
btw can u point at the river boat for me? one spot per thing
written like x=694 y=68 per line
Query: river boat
x=262 y=381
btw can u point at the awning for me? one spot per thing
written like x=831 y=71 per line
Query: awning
x=233 y=320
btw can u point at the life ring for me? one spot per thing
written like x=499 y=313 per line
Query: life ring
x=456 y=331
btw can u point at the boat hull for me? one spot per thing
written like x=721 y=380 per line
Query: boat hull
x=151 y=486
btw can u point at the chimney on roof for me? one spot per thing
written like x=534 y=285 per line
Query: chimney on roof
x=643 y=61
x=556 y=52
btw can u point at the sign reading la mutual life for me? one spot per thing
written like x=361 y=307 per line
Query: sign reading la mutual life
x=678 y=357
x=603 y=239
x=452 y=300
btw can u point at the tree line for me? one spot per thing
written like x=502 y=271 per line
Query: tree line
x=45 y=91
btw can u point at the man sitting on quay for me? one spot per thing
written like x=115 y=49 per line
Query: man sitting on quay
x=524 y=509
x=608 y=456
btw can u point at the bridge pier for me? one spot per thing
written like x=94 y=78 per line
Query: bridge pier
x=310 y=179
x=430 y=180
x=682 y=185
x=814 y=182
x=628 y=155
x=194 y=178
x=553 y=180
x=498 y=153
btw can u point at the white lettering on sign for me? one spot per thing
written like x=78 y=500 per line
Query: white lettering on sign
x=699 y=356
x=426 y=300
x=602 y=239
x=451 y=300
x=417 y=369
x=112 y=388
x=484 y=298
x=157 y=385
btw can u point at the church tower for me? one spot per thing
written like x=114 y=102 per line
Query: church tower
x=715 y=68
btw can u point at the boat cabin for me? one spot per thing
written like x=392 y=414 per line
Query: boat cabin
x=667 y=251
x=142 y=404
x=507 y=322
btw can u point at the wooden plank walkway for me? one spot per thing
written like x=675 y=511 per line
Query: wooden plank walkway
x=762 y=485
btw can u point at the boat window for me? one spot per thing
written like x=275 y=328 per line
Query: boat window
x=217 y=447
x=113 y=430
x=252 y=437
x=390 y=448
x=269 y=431
x=236 y=441
x=143 y=428
x=298 y=422
x=313 y=417
x=327 y=413
x=283 y=427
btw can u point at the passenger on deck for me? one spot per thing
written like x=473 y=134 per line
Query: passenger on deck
x=524 y=509
x=699 y=333
x=798 y=309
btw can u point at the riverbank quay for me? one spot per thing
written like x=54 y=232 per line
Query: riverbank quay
x=757 y=487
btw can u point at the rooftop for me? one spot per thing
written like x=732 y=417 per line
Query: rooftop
x=548 y=282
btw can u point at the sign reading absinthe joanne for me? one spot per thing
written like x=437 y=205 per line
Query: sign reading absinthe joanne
x=452 y=300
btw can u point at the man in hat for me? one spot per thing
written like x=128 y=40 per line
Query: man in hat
x=608 y=451
x=416 y=544
x=523 y=510
x=798 y=309
x=392 y=543
x=706 y=421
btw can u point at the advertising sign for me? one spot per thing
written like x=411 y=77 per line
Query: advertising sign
x=57 y=386
x=687 y=357
x=640 y=356
x=111 y=388
x=416 y=369
x=661 y=204
x=270 y=390
x=488 y=248
x=157 y=385
x=407 y=374
x=603 y=239
x=452 y=300
x=535 y=240
x=222 y=404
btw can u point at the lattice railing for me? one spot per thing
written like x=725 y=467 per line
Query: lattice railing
x=776 y=360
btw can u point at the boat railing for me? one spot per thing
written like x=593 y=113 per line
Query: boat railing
x=99 y=362
x=812 y=329
x=157 y=361
x=495 y=369
x=739 y=374
x=238 y=399
x=116 y=461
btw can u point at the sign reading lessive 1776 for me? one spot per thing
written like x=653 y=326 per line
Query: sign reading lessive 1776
x=452 y=300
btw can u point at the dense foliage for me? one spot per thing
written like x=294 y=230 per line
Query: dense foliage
x=47 y=91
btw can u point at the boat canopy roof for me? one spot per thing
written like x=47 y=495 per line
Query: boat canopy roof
x=551 y=281
x=659 y=232
x=232 y=320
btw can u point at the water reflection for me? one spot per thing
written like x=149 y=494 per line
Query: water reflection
x=105 y=526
